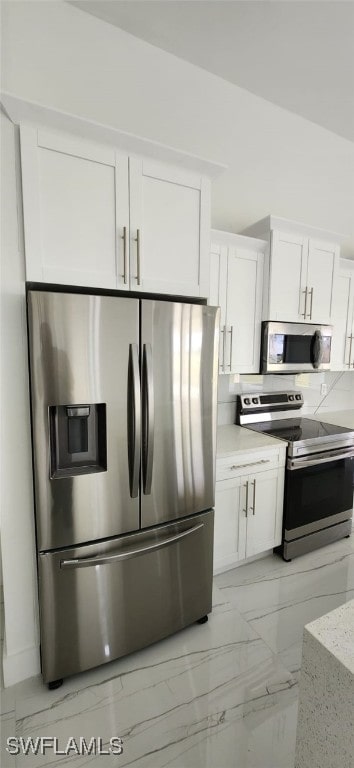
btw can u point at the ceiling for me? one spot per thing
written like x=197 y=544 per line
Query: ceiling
x=297 y=54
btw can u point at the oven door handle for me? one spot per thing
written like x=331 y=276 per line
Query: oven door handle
x=322 y=458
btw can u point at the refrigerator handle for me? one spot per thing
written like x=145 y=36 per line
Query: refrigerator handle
x=148 y=419
x=134 y=420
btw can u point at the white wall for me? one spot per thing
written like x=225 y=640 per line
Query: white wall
x=339 y=391
x=58 y=56
x=21 y=657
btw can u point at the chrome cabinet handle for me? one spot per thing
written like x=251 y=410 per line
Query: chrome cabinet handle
x=305 y=306
x=134 y=420
x=148 y=418
x=124 y=238
x=251 y=464
x=138 y=243
x=246 y=508
x=254 y=497
x=85 y=562
x=310 y=313
x=221 y=364
x=350 y=350
x=223 y=348
x=231 y=331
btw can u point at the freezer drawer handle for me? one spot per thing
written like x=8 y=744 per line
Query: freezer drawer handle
x=85 y=562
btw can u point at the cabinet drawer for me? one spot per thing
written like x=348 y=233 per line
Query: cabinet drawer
x=234 y=466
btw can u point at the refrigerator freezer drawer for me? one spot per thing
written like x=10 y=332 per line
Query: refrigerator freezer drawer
x=102 y=601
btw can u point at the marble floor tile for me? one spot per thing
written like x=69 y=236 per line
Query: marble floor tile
x=277 y=599
x=171 y=702
x=7 y=728
x=219 y=695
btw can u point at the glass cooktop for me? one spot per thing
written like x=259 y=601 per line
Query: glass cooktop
x=296 y=429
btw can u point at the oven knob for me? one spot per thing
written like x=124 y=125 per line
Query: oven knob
x=247 y=401
x=297 y=397
x=255 y=400
x=291 y=397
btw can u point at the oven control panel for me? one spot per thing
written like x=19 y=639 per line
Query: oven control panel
x=269 y=401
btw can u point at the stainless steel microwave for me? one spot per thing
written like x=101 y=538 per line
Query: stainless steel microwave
x=295 y=347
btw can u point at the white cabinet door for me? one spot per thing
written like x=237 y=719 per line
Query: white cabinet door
x=322 y=267
x=264 y=511
x=169 y=229
x=236 y=284
x=342 y=350
x=244 y=310
x=287 y=285
x=230 y=523
x=75 y=199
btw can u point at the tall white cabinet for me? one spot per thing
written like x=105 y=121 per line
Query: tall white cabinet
x=342 y=353
x=94 y=216
x=301 y=273
x=236 y=284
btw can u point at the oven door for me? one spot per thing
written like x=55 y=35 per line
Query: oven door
x=318 y=492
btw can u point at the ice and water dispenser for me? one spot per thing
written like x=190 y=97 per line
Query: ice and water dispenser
x=78 y=443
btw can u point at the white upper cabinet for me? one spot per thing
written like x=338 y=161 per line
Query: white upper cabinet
x=342 y=352
x=236 y=283
x=169 y=229
x=94 y=217
x=303 y=264
x=287 y=277
x=75 y=209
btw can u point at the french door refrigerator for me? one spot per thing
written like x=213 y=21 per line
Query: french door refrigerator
x=123 y=398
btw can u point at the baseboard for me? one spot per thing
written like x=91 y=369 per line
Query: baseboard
x=20 y=666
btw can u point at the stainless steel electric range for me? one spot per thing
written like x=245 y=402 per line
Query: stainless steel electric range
x=318 y=494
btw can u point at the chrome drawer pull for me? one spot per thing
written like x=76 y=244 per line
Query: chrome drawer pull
x=251 y=464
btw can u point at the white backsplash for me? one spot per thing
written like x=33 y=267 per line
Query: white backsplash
x=338 y=394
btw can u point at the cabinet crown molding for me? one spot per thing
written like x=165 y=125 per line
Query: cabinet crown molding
x=21 y=111
x=264 y=226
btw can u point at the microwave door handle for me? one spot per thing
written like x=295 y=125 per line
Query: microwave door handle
x=148 y=419
x=317 y=349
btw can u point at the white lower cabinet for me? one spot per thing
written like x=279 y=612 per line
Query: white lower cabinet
x=248 y=507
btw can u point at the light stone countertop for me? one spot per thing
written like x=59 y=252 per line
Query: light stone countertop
x=232 y=439
x=325 y=736
x=335 y=631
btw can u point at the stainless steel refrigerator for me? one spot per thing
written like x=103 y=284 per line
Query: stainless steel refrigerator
x=123 y=395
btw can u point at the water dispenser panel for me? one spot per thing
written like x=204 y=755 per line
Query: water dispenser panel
x=78 y=439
